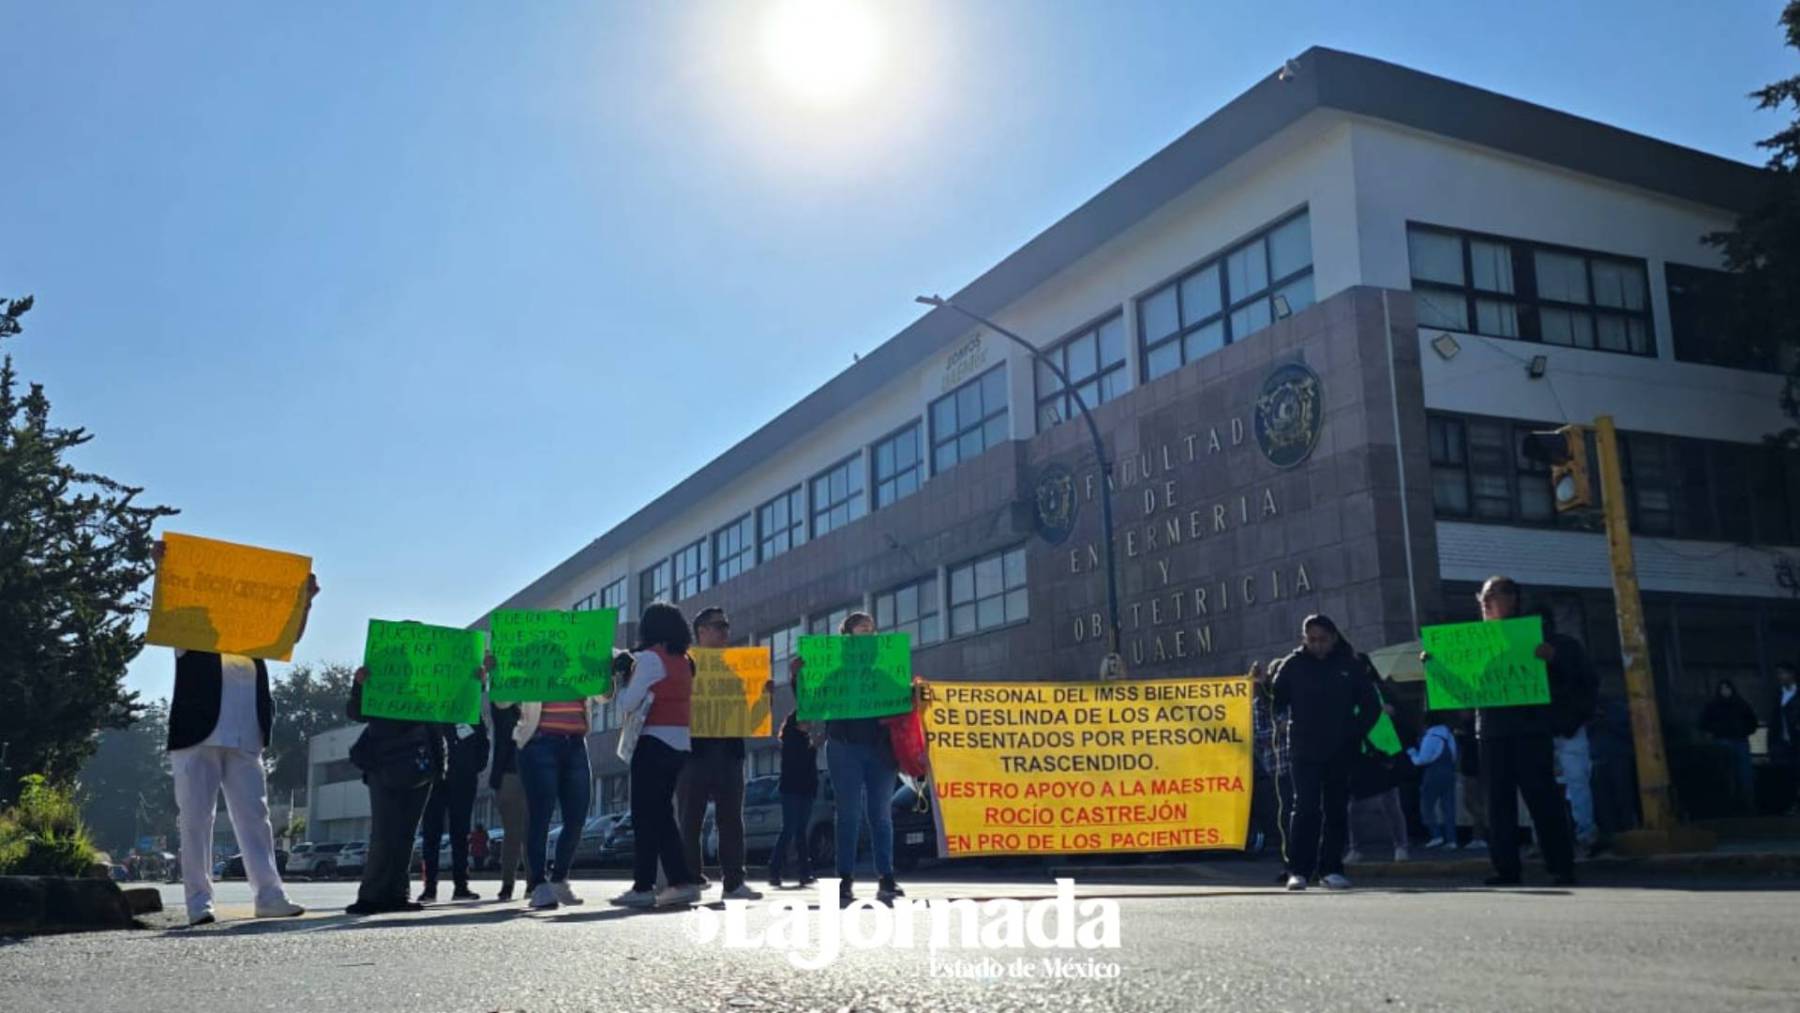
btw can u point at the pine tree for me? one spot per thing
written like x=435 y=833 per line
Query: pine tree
x=74 y=557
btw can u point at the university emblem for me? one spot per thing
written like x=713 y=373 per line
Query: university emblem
x=1056 y=508
x=1290 y=414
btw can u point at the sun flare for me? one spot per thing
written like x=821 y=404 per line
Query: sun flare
x=823 y=52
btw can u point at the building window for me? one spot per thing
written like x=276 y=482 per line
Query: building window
x=1449 y=467
x=1227 y=298
x=988 y=593
x=782 y=522
x=780 y=644
x=1094 y=361
x=583 y=605
x=837 y=495
x=969 y=420
x=829 y=622
x=1708 y=328
x=1509 y=288
x=734 y=549
x=691 y=570
x=653 y=584
x=898 y=465
x=1479 y=470
x=612 y=596
x=911 y=608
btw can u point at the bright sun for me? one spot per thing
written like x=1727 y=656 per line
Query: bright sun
x=825 y=52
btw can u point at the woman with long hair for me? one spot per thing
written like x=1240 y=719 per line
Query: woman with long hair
x=663 y=679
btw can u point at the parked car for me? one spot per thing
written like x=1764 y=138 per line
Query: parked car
x=233 y=867
x=318 y=860
x=592 y=846
x=915 y=829
x=496 y=838
x=351 y=860
x=620 y=842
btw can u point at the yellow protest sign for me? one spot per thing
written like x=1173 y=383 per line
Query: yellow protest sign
x=1072 y=768
x=228 y=598
x=731 y=692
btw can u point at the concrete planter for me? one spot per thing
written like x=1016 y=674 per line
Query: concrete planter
x=34 y=904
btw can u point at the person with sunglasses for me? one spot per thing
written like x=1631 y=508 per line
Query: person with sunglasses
x=715 y=774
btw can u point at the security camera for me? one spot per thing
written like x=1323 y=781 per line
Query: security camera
x=1288 y=71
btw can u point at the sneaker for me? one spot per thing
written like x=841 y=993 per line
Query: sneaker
x=203 y=917
x=1402 y=855
x=1501 y=881
x=1336 y=881
x=1353 y=857
x=1296 y=883
x=678 y=896
x=1435 y=842
x=506 y=891
x=636 y=898
x=565 y=894
x=543 y=898
x=808 y=880
x=429 y=895
x=282 y=908
x=464 y=893
x=1475 y=844
x=775 y=883
x=741 y=891
x=846 y=893
x=363 y=907
x=888 y=890
x=408 y=905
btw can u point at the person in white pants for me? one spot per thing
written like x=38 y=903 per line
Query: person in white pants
x=219 y=719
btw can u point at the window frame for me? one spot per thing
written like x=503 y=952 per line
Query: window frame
x=792 y=631
x=940 y=441
x=953 y=630
x=690 y=569
x=647 y=589
x=916 y=471
x=740 y=559
x=892 y=624
x=612 y=595
x=855 y=503
x=1525 y=299
x=795 y=529
x=1060 y=400
x=834 y=617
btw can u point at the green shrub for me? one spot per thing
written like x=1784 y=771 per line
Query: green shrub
x=42 y=834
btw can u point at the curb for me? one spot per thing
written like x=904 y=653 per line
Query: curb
x=36 y=904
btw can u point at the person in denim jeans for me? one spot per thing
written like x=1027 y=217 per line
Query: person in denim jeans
x=859 y=756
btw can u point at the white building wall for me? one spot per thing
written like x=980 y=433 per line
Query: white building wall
x=332 y=804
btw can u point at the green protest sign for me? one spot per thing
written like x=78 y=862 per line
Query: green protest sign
x=854 y=677
x=422 y=673
x=543 y=656
x=1384 y=736
x=1488 y=664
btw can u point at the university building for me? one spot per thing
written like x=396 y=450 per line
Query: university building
x=1313 y=331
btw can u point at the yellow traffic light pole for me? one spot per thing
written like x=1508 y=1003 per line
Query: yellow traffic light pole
x=1659 y=832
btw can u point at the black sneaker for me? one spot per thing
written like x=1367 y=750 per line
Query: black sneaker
x=774 y=882
x=464 y=893
x=846 y=893
x=408 y=905
x=506 y=891
x=1502 y=881
x=888 y=890
x=429 y=894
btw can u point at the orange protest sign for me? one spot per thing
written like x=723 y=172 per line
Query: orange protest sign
x=228 y=598
x=731 y=692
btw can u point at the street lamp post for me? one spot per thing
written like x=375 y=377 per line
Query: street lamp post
x=1113 y=666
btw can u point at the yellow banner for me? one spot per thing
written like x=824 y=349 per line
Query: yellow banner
x=228 y=598
x=1071 y=768
x=731 y=692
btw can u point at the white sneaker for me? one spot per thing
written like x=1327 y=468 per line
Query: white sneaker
x=741 y=892
x=204 y=916
x=564 y=893
x=1296 y=883
x=543 y=898
x=282 y=908
x=678 y=896
x=636 y=898
x=1475 y=844
x=1337 y=881
x=1401 y=855
x=1435 y=842
x=1353 y=857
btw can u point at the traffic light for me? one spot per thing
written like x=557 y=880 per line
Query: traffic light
x=1565 y=451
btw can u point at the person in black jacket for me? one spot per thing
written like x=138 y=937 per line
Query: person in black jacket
x=509 y=796
x=1730 y=721
x=1330 y=706
x=1784 y=736
x=453 y=800
x=399 y=761
x=1517 y=758
x=799 y=786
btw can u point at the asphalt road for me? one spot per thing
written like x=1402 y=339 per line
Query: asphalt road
x=1181 y=948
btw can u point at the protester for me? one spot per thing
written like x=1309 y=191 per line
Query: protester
x=1375 y=783
x=553 y=768
x=451 y=804
x=799 y=786
x=1468 y=782
x=219 y=719
x=1330 y=706
x=663 y=676
x=1265 y=798
x=399 y=761
x=1730 y=721
x=714 y=773
x=1517 y=757
x=1615 y=768
x=478 y=846
x=859 y=757
x=1575 y=694
x=1435 y=755
x=1784 y=737
x=509 y=795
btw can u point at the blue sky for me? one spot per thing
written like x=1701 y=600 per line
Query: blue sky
x=437 y=295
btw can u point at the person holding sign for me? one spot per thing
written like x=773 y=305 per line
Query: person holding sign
x=1517 y=759
x=859 y=757
x=714 y=773
x=662 y=681
x=219 y=719
x=451 y=806
x=1330 y=705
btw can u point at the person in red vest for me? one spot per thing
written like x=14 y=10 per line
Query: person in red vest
x=663 y=678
